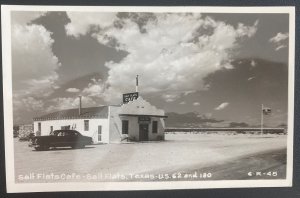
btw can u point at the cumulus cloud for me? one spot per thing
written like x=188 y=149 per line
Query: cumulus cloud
x=34 y=65
x=29 y=103
x=170 y=97
x=279 y=37
x=69 y=103
x=251 y=78
x=172 y=53
x=72 y=90
x=280 y=47
x=90 y=97
x=182 y=103
x=280 y=40
x=95 y=88
x=253 y=63
x=196 y=103
x=222 y=106
x=189 y=92
x=83 y=22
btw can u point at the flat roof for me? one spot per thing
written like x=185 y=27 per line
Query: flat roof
x=85 y=113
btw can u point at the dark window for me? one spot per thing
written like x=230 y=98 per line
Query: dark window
x=99 y=133
x=67 y=133
x=86 y=125
x=71 y=133
x=39 y=127
x=51 y=129
x=154 y=126
x=67 y=127
x=75 y=133
x=125 y=126
x=61 y=133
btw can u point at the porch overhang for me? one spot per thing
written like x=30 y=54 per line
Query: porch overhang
x=137 y=115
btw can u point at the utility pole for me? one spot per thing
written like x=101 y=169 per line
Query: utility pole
x=79 y=109
x=262 y=119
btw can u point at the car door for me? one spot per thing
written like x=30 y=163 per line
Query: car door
x=74 y=138
x=68 y=138
x=58 y=139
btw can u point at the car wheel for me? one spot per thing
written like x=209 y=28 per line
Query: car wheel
x=42 y=148
x=78 y=146
x=46 y=148
x=38 y=148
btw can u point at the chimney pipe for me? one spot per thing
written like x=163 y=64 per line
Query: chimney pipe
x=137 y=83
x=79 y=105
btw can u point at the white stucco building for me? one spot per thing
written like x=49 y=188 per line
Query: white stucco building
x=136 y=120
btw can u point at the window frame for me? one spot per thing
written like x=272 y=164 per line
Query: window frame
x=154 y=129
x=125 y=130
x=86 y=125
x=39 y=126
x=99 y=133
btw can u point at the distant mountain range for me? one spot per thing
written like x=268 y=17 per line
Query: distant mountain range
x=191 y=119
x=195 y=120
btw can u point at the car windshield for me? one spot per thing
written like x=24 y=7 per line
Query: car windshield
x=52 y=133
x=57 y=133
x=64 y=133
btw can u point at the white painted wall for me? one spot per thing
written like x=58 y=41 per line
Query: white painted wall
x=133 y=126
x=79 y=126
x=115 y=126
x=112 y=127
x=160 y=129
x=141 y=107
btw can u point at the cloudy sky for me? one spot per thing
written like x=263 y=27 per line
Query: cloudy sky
x=221 y=66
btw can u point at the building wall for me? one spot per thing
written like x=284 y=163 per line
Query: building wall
x=76 y=124
x=133 y=127
x=160 y=135
x=112 y=126
x=115 y=125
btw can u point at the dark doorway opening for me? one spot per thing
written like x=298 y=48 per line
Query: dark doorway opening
x=144 y=131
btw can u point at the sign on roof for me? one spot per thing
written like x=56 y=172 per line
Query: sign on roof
x=130 y=97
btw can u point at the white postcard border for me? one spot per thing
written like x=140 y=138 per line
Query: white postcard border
x=117 y=186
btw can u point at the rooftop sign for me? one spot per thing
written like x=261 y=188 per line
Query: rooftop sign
x=130 y=97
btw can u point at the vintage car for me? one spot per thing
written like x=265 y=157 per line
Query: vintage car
x=60 y=138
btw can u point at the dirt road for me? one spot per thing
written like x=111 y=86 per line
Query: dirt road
x=224 y=156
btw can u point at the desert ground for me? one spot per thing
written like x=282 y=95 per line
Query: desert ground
x=179 y=157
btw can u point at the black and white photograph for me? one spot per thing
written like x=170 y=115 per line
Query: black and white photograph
x=147 y=98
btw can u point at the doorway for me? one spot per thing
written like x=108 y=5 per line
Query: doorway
x=144 y=131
